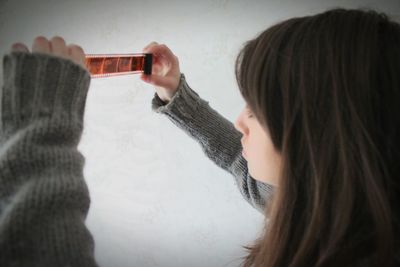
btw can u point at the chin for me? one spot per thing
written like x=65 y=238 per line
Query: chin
x=253 y=174
x=259 y=178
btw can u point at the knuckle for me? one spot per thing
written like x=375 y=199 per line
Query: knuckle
x=40 y=39
x=76 y=51
x=58 y=39
x=76 y=48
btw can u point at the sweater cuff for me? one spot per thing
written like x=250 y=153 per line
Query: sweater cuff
x=184 y=97
x=38 y=85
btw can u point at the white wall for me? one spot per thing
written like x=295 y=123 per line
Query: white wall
x=156 y=199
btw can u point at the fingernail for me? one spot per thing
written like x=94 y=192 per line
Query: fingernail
x=18 y=47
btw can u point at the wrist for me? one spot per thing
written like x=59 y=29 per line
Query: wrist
x=40 y=85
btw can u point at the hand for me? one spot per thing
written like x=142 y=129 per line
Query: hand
x=165 y=72
x=56 y=46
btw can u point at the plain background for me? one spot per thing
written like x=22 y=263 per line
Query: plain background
x=156 y=199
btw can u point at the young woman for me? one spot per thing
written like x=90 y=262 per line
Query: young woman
x=321 y=125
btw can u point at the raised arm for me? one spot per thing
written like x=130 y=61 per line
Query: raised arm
x=43 y=197
x=217 y=136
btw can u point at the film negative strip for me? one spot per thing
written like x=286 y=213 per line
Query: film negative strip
x=108 y=65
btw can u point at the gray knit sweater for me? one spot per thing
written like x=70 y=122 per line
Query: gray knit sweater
x=44 y=199
x=218 y=138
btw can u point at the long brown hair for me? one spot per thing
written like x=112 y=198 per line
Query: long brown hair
x=327 y=89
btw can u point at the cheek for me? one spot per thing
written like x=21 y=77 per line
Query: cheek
x=264 y=161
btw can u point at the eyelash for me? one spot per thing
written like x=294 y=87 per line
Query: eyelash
x=249 y=114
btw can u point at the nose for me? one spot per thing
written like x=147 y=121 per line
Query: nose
x=240 y=124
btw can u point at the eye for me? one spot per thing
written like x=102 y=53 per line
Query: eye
x=249 y=113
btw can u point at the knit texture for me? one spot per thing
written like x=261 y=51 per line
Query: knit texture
x=43 y=197
x=217 y=137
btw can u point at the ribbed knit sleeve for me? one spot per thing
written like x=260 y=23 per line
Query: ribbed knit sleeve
x=218 y=138
x=44 y=199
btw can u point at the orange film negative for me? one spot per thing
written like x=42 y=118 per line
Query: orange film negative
x=107 y=65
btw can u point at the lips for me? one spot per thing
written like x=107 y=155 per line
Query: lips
x=244 y=153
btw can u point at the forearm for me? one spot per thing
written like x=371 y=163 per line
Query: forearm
x=44 y=198
x=217 y=136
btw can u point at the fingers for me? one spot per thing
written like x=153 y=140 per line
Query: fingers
x=165 y=70
x=161 y=51
x=77 y=54
x=19 y=47
x=41 y=45
x=56 y=46
x=149 y=45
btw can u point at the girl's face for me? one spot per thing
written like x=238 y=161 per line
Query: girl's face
x=263 y=160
